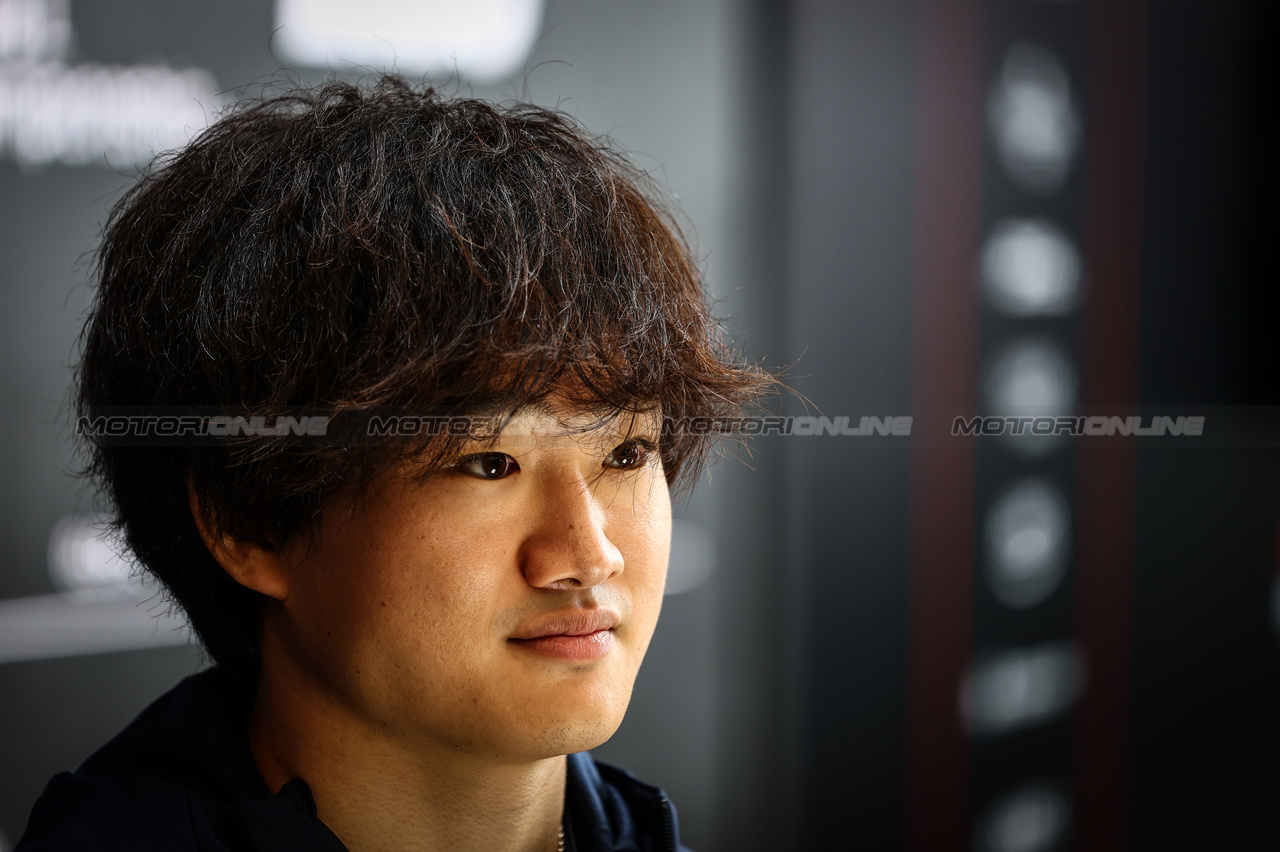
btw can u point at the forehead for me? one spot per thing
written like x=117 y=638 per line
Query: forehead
x=554 y=419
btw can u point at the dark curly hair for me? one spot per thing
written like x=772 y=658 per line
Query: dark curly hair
x=366 y=247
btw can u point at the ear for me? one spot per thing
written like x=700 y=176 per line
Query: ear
x=253 y=566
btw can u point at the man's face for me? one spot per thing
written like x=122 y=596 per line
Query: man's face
x=501 y=606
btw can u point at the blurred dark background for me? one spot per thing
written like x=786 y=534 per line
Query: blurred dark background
x=933 y=209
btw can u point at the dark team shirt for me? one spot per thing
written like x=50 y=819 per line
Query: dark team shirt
x=181 y=777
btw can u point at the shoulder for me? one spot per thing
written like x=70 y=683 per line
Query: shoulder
x=610 y=810
x=179 y=777
x=130 y=813
x=77 y=813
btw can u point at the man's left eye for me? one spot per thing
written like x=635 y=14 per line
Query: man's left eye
x=630 y=455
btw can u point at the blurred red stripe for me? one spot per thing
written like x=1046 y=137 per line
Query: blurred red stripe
x=945 y=321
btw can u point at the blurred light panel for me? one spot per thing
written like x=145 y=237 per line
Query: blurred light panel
x=1013 y=690
x=34 y=30
x=100 y=115
x=85 y=563
x=1031 y=268
x=50 y=626
x=87 y=115
x=477 y=39
x=103 y=604
x=1032 y=117
x=1026 y=543
x=1034 y=818
x=693 y=557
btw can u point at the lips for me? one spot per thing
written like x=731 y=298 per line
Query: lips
x=580 y=634
x=574 y=622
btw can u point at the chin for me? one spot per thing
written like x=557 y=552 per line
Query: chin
x=574 y=738
x=578 y=728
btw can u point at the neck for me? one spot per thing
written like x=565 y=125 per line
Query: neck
x=376 y=792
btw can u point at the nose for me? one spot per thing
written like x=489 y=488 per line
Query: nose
x=567 y=546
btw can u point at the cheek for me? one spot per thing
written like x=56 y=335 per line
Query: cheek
x=419 y=587
x=648 y=545
x=365 y=587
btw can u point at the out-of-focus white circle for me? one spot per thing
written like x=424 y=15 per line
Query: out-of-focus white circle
x=1011 y=690
x=1031 y=376
x=1034 y=818
x=1033 y=119
x=1031 y=268
x=1026 y=543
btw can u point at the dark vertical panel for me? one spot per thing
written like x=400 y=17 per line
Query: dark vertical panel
x=756 y=769
x=1206 y=661
x=851 y=164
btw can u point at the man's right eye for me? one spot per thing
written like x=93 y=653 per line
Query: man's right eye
x=488 y=465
